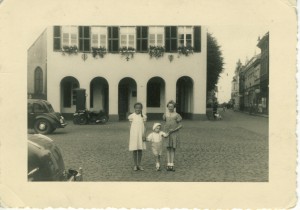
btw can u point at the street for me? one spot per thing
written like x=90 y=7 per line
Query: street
x=234 y=149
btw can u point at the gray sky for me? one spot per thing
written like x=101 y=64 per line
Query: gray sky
x=237 y=42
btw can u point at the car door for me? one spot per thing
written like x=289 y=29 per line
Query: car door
x=31 y=115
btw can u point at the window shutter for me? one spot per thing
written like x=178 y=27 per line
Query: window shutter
x=56 y=38
x=197 y=39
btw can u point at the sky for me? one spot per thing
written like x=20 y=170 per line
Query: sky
x=237 y=42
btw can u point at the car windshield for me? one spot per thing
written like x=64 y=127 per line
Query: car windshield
x=49 y=107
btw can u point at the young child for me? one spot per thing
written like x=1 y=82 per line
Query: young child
x=156 y=138
x=137 y=135
x=173 y=125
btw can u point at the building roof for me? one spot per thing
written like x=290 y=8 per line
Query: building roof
x=263 y=40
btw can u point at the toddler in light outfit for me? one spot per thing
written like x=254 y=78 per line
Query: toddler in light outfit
x=156 y=138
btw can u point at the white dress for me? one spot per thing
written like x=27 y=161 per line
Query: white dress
x=137 y=131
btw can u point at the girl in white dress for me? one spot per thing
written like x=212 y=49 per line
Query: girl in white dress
x=137 y=135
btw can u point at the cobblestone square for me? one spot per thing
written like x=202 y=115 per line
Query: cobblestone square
x=234 y=149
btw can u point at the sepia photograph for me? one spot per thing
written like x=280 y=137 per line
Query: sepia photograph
x=148 y=104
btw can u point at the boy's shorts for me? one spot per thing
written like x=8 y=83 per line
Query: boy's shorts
x=157 y=148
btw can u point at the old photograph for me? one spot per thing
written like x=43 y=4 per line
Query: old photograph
x=150 y=103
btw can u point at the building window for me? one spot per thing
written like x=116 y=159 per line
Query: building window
x=156 y=36
x=84 y=38
x=38 y=81
x=127 y=36
x=185 y=38
x=69 y=36
x=153 y=94
x=197 y=39
x=113 y=39
x=171 y=38
x=56 y=38
x=141 y=39
x=99 y=37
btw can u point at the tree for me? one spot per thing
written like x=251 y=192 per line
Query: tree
x=214 y=62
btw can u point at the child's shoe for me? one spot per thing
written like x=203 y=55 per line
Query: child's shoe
x=157 y=167
x=140 y=168
x=135 y=168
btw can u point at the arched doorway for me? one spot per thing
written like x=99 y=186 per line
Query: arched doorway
x=155 y=98
x=127 y=97
x=185 y=97
x=99 y=94
x=68 y=94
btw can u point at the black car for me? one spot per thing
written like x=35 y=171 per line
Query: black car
x=42 y=118
x=45 y=162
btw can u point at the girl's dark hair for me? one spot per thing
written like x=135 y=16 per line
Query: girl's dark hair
x=171 y=102
x=139 y=103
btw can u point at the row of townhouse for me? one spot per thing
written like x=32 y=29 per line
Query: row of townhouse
x=250 y=84
x=120 y=65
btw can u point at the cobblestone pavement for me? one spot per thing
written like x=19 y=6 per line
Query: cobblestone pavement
x=233 y=149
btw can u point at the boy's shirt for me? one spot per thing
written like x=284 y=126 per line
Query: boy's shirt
x=156 y=137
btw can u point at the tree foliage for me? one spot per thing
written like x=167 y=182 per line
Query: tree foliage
x=214 y=62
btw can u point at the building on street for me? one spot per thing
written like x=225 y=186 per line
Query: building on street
x=235 y=95
x=263 y=44
x=120 y=65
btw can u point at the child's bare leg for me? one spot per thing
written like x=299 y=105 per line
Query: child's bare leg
x=135 y=157
x=139 y=155
x=169 y=155
x=172 y=155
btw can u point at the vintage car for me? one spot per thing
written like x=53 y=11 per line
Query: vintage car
x=42 y=118
x=45 y=162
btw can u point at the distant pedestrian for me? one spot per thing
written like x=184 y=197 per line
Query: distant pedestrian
x=156 y=138
x=215 y=109
x=137 y=135
x=173 y=125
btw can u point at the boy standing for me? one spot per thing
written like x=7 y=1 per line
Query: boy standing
x=156 y=138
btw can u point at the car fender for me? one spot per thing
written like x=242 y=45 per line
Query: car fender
x=51 y=120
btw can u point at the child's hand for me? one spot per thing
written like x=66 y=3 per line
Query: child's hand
x=167 y=134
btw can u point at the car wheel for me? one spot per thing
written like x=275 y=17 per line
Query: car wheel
x=43 y=126
x=82 y=120
x=104 y=119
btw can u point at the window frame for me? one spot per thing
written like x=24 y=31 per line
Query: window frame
x=69 y=32
x=185 y=33
x=99 y=34
x=127 y=34
x=38 y=81
x=153 y=30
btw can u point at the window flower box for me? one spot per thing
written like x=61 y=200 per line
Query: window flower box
x=156 y=52
x=69 y=49
x=185 y=50
x=127 y=51
x=98 y=51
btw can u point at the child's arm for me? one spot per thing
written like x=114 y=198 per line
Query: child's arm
x=176 y=129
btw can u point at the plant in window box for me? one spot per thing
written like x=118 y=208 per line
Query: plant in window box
x=69 y=49
x=185 y=50
x=127 y=51
x=155 y=51
x=101 y=51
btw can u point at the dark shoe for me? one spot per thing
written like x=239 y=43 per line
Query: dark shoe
x=172 y=168
x=140 y=168
x=168 y=168
x=135 y=168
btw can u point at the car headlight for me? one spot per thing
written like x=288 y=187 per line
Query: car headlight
x=61 y=121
